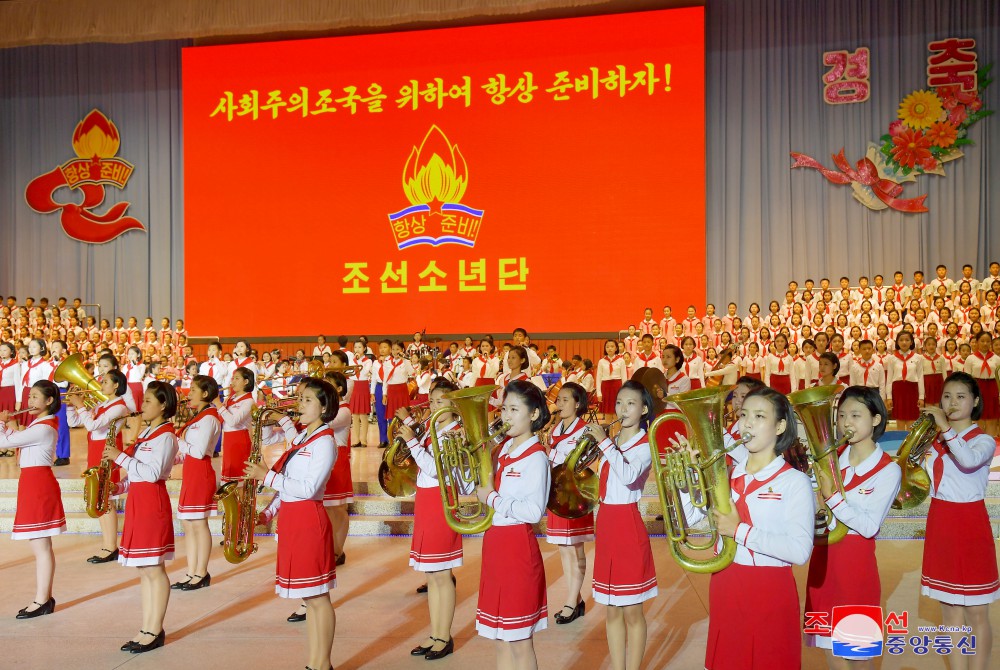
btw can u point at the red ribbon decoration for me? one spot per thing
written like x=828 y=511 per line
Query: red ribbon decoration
x=866 y=174
x=78 y=220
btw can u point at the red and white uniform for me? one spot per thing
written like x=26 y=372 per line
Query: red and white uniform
x=216 y=369
x=558 y=529
x=435 y=546
x=846 y=573
x=650 y=360
x=134 y=372
x=631 y=343
x=148 y=534
x=550 y=365
x=423 y=380
x=306 y=564
x=754 y=617
x=667 y=324
x=33 y=370
x=623 y=561
x=933 y=378
x=586 y=380
x=236 y=417
x=10 y=384
x=868 y=373
x=98 y=422
x=646 y=327
x=779 y=373
x=319 y=351
x=486 y=369
x=39 y=511
x=753 y=366
x=983 y=368
x=339 y=489
x=198 y=483
x=960 y=562
x=905 y=384
x=394 y=373
x=360 y=399
x=689 y=324
x=512 y=603
x=952 y=363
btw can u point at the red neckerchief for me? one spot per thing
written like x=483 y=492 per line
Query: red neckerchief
x=9 y=364
x=606 y=467
x=557 y=438
x=205 y=412
x=166 y=427
x=31 y=366
x=611 y=363
x=282 y=462
x=904 y=360
x=985 y=370
x=104 y=408
x=50 y=421
x=242 y=364
x=942 y=450
x=857 y=481
x=381 y=371
x=781 y=363
x=642 y=357
x=504 y=460
x=232 y=400
x=739 y=485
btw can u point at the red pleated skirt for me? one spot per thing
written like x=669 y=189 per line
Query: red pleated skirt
x=136 y=389
x=991 y=398
x=420 y=398
x=235 y=452
x=781 y=383
x=39 y=510
x=904 y=401
x=695 y=384
x=933 y=385
x=609 y=393
x=25 y=419
x=960 y=561
x=435 y=546
x=306 y=564
x=397 y=395
x=845 y=573
x=148 y=533
x=8 y=399
x=512 y=602
x=567 y=532
x=340 y=486
x=485 y=382
x=361 y=398
x=751 y=375
x=846 y=380
x=198 y=487
x=623 y=561
x=753 y=619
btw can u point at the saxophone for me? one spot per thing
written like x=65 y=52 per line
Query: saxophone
x=97 y=480
x=239 y=499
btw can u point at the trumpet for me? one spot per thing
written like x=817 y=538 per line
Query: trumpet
x=575 y=487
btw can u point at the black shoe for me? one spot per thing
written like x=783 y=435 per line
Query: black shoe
x=48 y=607
x=155 y=644
x=420 y=650
x=659 y=517
x=61 y=461
x=449 y=647
x=341 y=558
x=577 y=613
x=422 y=588
x=383 y=445
x=113 y=556
x=181 y=585
x=132 y=644
x=216 y=454
x=357 y=446
x=295 y=617
x=203 y=582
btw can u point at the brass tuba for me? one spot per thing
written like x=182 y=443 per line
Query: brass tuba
x=465 y=460
x=97 y=480
x=815 y=409
x=706 y=478
x=239 y=498
x=575 y=487
x=73 y=371
x=916 y=484
x=397 y=474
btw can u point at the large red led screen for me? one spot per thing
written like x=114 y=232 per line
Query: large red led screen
x=547 y=174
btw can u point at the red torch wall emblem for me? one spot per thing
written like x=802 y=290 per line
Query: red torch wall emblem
x=96 y=142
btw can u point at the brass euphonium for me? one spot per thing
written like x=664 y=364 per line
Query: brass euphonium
x=465 y=459
x=72 y=370
x=397 y=474
x=916 y=484
x=239 y=498
x=706 y=479
x=575 y=487
x=97 y=480
x=815 y=409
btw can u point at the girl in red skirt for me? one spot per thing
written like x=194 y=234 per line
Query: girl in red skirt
x=148 y=536
x=487 y=364
x=398 y=371
x=933 y=372
x=512 y=604
x=361 y=403
x=36 y=368
x=753 y=613
x=97 y=422
x=195 y=445
x=570 y=534
x=846 y=573
x=236 y=418
x=960 y=562
x=624 y=576
x=306 y=568
x=339 y=491
x=10 y=380
x=134 y=371
x=610 y=377
x=435 y=549
x=779 y=370
x=982 y=365
x=39 y=513
x=904 y=382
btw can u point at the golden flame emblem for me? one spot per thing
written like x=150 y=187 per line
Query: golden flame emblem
x=96 y=137
x=436 y=172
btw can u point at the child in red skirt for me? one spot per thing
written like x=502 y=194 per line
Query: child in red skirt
x=904 y=382
x=624 y=575
x=236 y=416
x=982 y=365
x=134 y=371
x=570 y=534
x=934 y=364
x=361 y=403
x=398 y=371
x=97 y=422
x=339 y=490
x=195 y=445
x=512 y=603
x=10 y=377
x=754 y=616
x=39 y=513
x=846 y=573
x=435 y=548
x=306 y=566
x=610 y=377
x=148 y=535
x=960 y=562
x=779 y=371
